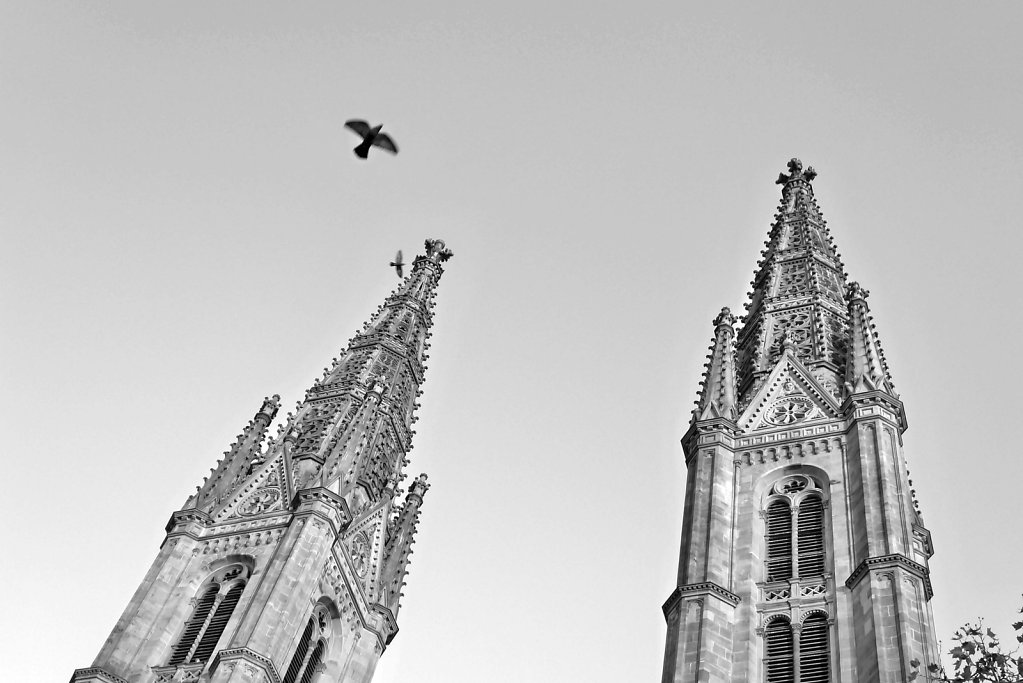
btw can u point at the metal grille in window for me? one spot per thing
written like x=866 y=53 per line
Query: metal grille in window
x=778 y=660
x=810 y=537
x=813 y=650
x=779 y=541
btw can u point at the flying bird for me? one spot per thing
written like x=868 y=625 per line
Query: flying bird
x=397 y=262
x=370 y=137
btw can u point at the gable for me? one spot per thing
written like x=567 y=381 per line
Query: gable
x=265 y=490
x=790 y=395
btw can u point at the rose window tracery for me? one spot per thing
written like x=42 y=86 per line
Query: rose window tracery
x=359 y=554
x=260 y=501
x=789 y=410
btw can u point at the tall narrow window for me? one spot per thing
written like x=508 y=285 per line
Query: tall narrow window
x=311 y=647
x=810 y=537
x=813 y=650
x=225 y=609
x=779 y=541
x=194 y=625
x=213 y=609
x=778 y=662
x=298 y=659
x=314 y=663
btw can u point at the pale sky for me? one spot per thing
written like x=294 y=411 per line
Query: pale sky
x=186 y=230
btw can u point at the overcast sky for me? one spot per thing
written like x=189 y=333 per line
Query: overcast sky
x=186 y=230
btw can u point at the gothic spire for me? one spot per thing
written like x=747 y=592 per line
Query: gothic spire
x=797 y=293
x=355 y=424
x=398 y=547
x=866 y=369
x=238 y=461
x=717 y=398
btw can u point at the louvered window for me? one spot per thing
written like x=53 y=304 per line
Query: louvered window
x=778 y=662
x=810 y=535
x=813 y=650
x=194 y=625
x=305 y=663
x=313 y=665
x=298 y=659
x=209 y=639
x=779 y=541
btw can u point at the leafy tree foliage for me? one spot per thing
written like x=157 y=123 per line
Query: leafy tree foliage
x=977 y=656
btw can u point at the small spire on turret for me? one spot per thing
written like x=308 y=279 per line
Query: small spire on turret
x=718 y=396
x=238 y=461
x=866 y=369
x=398 y=546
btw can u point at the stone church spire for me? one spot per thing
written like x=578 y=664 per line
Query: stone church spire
x=803 y=557
x=798 y=292
x=287 y=564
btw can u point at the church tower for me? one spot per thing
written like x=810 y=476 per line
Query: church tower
x=804 y=555
x=287 y=564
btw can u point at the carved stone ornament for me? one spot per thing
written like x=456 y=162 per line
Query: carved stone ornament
x=437 y=251
x=796 y=172
x=359 y=553
x=789 y=410
x=790 y=485
x=260 y=501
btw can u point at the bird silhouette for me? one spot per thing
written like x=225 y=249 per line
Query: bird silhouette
x=398 y=264
x=370 y=136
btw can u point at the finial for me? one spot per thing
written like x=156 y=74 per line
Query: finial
x=437 y=251
x=725 y=317
x=787 y=344
x=377 y=384
x=419 y=486
x=855 y=291
x=796 y=172
x=270 y=407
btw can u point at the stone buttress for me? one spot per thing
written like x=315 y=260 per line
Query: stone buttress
x=804 y=556
x=287 y=564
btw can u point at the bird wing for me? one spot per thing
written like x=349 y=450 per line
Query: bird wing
x=397 y=258
x=359 y=126
x=384 y=141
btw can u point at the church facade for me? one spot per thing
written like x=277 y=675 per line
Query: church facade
x=288 y=562
x=804 y=556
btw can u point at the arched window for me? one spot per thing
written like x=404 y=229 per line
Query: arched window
x=788 y=530
x=813 y=649
x=778 y=660
x=810 y=537
x=194 y=624
x=311 y=647
x=779 y=541
x=209 y=618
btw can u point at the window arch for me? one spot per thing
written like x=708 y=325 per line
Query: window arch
x=813 y=649
x=779 y=663
x=217 y=600
x=810 y=536
x=308 y=657
x=794 y=529
x=779 y=541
